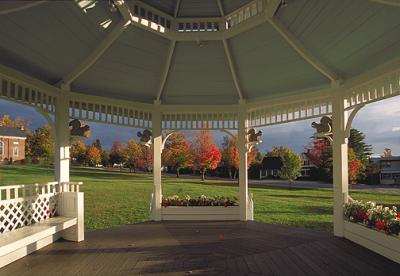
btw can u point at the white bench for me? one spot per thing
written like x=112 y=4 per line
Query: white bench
x=24 y=205
x=23 y=241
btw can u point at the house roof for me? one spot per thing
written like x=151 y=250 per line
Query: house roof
x=272 y=163
x=12 y=132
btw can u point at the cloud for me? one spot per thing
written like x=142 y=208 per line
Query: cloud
x=395 y=129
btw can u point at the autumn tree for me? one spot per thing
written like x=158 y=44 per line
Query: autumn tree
x=147 y=156
x=206 y=155
x=96 y=143
x=320 y=155
x=17 y=122
x=116 y=153
x=40 y=145
x=93 y=156
x=78 y=151
x=355 y=167
x=132 y=153
x=176 y=153
x=230 y=155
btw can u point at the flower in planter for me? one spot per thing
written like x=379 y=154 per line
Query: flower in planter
x=380 y=225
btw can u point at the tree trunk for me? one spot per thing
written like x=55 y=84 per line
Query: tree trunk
x=235 y=174
x=177 y=173
x=230 y=173
x=203 y=172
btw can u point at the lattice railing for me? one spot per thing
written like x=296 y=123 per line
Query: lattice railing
x=20 y=92
x=105 y=111
x=22 y=205
x=374 y=90
x=285 y=113
x=199 y=120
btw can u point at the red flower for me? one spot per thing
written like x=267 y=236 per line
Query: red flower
x=379 y=225
x=398 y=215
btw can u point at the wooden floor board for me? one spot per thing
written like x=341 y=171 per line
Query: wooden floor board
x=204 y=248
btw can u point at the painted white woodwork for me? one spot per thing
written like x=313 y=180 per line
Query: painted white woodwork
x=23 y=241
x=251 y=207
x=232 y=68
x=22 y=7
x=303 y=52
x=200 y=213
x=244 y=13
x=62 y=138
x=395 y=3
x=379 y=242
x=157 y=149
x=340 y=164
x=166 y=69
x=95 y=54
x=242 y=149
x=71 y=204
x=33 y=216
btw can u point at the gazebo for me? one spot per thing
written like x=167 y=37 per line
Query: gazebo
x=191 y=65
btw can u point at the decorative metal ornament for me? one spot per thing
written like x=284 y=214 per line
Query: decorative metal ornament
x=323 y=128
x=145 y=137
x=77 y=128
x=253 y=138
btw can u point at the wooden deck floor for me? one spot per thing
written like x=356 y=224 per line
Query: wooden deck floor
x=204 y=248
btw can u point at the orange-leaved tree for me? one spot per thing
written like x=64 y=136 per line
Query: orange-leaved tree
x=206 y=155
x=93 y=156
x=176 y=153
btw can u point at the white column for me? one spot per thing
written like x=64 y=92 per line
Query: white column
x=157 y=144
x=62 y=138
x=340 y=164
x=243 y=181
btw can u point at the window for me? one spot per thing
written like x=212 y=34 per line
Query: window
x=1 y=147
x=15 y=151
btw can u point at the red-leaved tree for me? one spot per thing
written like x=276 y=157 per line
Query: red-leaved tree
x=206 y=155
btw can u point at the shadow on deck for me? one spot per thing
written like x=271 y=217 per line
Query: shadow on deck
x=219 y=248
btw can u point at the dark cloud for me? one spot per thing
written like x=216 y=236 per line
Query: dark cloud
x=376 y=120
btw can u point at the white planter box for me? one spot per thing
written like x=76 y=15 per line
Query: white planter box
x=385 y=245
x=200 y=213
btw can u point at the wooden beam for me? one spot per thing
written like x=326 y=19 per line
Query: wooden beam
x=166 y=69
x=298 y=46
x=123 y=9
x=395 y=3
x=22 y=7
x=96 y=53
x=230 y=58
x=232 y=68
x=272 y=7
x=177 y=6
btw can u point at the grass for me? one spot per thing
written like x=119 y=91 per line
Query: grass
x=117 y=198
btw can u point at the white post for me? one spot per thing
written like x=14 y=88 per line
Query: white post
x=243 y=182
x=157 y=145
x=340 y=164
x=62 y=138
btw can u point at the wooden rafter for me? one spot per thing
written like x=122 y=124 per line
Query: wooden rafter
x=169 y=59
x=298 y=46
x=230 y=58
x=96 y=53
x=22 y=7
x=166 y=69
x=395 y=3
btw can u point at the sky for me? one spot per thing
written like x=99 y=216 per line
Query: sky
x=379 y=121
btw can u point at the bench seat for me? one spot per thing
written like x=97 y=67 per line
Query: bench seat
x=23 y=241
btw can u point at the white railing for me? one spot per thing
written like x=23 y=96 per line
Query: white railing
x=244 y=13
x=22 y=205
x=250 y=206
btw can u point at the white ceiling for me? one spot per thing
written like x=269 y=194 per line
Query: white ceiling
x=350 y=37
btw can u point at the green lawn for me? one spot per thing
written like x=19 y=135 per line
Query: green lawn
x=115 y=198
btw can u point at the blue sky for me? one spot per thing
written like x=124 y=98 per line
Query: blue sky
x=379 y=121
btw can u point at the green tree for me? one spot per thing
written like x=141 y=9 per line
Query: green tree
x=40 y=145
x=361 y=149
x=105 y=158
x=291 y=165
